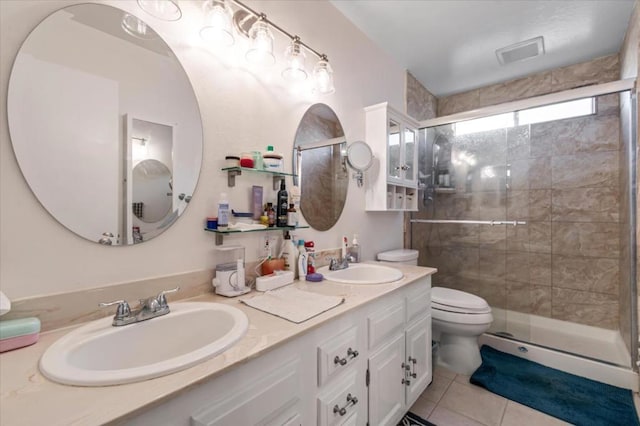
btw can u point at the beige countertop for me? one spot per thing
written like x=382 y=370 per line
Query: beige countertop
x=28 y=398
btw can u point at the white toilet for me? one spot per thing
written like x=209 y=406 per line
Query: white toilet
x=458 y=319
x=401 y=256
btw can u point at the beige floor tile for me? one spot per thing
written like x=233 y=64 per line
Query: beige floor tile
x=444 y=372
x=518 y=415
x=475 y=403
x=443 y=417
x=422 y=407
x=437 y=388
x=462 y=378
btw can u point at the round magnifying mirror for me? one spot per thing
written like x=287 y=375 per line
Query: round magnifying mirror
x=359 y=156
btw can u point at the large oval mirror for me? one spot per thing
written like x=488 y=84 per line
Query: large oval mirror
x=94 y=94
x=319 y=152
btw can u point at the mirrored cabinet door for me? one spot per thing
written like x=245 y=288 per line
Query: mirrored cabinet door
x=394 y=151
x=410 y=140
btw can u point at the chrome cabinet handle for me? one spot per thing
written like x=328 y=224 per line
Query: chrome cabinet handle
x=351 y=400
x=413 y=362
x=406 y=382
x=352 y=353
x=338 y=360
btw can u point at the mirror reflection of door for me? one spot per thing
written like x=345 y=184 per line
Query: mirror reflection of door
x=149 y=179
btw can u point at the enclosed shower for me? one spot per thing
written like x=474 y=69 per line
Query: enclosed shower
x=532 y=206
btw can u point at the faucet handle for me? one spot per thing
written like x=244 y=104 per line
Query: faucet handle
x=122 y=311
x=162 y=300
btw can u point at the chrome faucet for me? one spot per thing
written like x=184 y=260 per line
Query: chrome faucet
x=337 y=264
x=150 y=307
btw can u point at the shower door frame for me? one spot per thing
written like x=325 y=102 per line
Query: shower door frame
x=569 y=95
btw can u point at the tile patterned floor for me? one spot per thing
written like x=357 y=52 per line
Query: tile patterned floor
x=451 y=400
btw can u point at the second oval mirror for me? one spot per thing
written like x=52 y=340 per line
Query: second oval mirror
x=319 y=160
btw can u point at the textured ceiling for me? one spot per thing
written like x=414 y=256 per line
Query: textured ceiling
x=449 y=46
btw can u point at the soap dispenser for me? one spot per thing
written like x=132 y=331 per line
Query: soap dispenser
x=354 y=250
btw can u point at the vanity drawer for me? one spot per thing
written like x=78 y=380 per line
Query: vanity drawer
x=418 y=302
x=385 y=322
x=337 y=354
x=340 y=404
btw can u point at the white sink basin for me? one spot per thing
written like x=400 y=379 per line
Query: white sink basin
x=362 y=273
x=98 y=354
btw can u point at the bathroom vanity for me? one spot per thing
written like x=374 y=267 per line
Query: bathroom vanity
x=365 y=361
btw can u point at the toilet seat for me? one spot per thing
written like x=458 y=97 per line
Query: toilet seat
x=448 y=299
x=461 y=318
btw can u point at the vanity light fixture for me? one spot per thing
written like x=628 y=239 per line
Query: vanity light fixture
x=261 y=50
x=166 y=10
x=295 y=62
x=257 y=28
x=217 y=28
x=323 y=76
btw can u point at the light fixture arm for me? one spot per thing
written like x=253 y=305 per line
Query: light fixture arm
x=263 y=17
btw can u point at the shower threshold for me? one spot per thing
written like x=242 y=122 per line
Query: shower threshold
x=591 y=352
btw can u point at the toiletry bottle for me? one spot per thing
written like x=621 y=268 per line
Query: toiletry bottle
x=289 y=253
x=223 y=211
x=240 y=276
x=354 y=250
x=311 y=261
x=302 y=260
x=292 y=216
x=282 y=206
x=271 y=214
x=344 y=246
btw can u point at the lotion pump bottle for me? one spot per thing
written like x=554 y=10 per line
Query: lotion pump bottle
x=290 y=254
x=302 y=260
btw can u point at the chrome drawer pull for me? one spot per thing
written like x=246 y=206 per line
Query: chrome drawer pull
x=338 y=360
x=351 y=400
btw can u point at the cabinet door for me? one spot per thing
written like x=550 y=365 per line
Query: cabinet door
x=418 y=357
x=410 y=144
x=386 y=389
x=274 y=399
x=394 y=151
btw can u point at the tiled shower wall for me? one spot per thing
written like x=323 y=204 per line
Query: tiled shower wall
x=564 y=183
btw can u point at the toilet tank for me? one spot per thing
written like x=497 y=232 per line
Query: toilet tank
x=401 y=256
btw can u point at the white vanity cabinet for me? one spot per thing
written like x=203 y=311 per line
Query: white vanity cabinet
x=393 y=138
x=356 y=369
x=399 y=355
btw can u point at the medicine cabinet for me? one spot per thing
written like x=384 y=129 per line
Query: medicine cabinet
x=393 y=137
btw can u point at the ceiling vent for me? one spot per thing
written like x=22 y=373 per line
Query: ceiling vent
x=520 y=51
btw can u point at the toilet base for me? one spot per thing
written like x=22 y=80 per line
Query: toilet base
x=459 y=354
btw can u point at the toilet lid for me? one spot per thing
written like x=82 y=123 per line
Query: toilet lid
x=448 y=299
x=400 y=255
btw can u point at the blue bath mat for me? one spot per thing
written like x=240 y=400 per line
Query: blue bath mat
x=571 y=398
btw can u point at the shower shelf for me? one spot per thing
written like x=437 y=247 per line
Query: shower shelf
x=446 y=190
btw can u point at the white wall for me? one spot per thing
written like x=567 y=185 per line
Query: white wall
x=240 y=111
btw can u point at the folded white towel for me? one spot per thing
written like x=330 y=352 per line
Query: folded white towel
x=293 y=304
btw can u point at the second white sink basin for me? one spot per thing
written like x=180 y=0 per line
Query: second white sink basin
x=362 y=273
x=98 y=354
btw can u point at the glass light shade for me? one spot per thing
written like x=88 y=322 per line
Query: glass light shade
x=261 y=50
x=323 y=76
x=166 y=10
x=295 y=57
x=136 y=27
x=217 y=27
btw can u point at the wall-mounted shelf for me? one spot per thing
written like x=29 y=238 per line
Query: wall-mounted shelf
x=232 y=172
x=221 y=233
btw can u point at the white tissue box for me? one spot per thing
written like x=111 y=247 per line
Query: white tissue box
x=275 y=280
